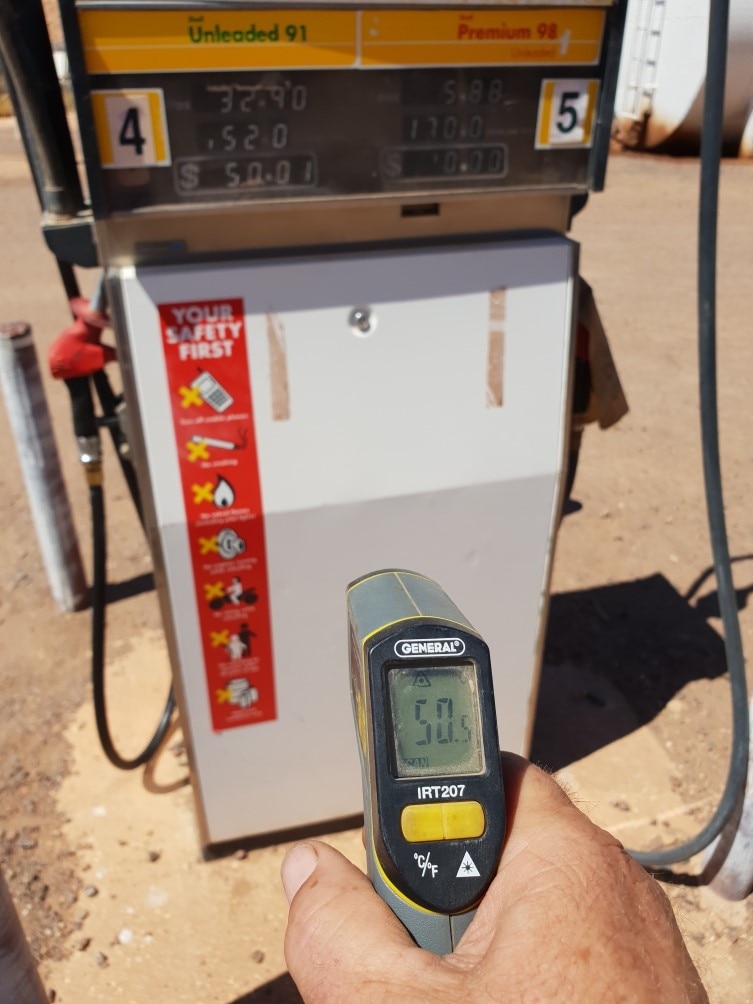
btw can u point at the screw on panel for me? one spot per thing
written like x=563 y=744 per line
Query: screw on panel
x=362 y=321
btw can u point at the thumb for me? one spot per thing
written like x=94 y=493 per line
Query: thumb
x=341 y=938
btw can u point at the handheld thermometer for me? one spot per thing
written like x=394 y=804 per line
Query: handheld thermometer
x=423 y=702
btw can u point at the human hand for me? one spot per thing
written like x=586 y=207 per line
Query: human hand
x=569 y=917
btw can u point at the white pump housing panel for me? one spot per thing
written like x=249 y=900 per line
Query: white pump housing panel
x=405 y=409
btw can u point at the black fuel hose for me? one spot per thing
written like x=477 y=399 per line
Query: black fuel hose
x=108 y=402
x=711 y=150
x=86 y=428
x=99 y=605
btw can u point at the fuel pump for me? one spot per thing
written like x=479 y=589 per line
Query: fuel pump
x=343 y=299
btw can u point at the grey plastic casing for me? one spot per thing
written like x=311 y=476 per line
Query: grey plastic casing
x=375 y=601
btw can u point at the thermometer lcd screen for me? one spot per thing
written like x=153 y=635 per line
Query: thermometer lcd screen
x=436 y=721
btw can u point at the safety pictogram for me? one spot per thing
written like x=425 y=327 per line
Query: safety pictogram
x=238 y=692
x=234 y=595
x=212 y=392
x=230 y=544
x=239 y=643
x=221 y=495
x=190 y=397
x=468 y=868
x=209 y=545
x=197 y=450
x=199 y=447
x=207 y=364
x=203 y=492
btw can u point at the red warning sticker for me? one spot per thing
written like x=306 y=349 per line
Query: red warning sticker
x=210 y=390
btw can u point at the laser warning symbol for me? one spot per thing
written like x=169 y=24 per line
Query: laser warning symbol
x=420 y=680
x=467 y=868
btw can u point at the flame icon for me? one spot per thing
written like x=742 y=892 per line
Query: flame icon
x=224 y=496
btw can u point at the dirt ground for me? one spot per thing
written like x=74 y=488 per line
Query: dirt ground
x=634 y=710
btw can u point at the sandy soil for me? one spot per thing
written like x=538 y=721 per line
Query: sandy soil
x=105 y=867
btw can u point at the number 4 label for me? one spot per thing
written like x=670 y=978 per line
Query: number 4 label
x=567 y=109
x=130 y=127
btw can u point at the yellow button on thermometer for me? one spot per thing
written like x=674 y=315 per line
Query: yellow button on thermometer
x=448 y=821
x=433 y=799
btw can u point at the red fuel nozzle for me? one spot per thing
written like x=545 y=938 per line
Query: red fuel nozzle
x=77 y=351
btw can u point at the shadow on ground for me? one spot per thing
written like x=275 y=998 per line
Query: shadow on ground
x=614 y=657
x=281 y=990
x=117 y=591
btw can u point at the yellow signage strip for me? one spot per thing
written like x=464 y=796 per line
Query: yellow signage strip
x=158 y=41
x=534 y=37
x=101 y=125
x=194 y=40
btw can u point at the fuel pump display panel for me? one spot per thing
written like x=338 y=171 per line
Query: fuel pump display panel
x=435 y=718
x=275 y=134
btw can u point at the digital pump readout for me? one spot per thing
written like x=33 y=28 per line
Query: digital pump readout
x=435 y=721
x=263 y=135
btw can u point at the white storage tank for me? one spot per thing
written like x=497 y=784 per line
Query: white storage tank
x=660 y=89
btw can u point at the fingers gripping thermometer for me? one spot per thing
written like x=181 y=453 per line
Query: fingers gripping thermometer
x=434 y=805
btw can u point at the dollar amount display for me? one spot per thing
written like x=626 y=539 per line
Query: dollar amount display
x=440 y=162
x=217 y=174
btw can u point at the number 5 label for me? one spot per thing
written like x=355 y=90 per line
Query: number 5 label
x=566 y=113
x=130 y=127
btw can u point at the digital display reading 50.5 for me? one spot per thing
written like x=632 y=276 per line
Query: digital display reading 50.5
x=436 y=721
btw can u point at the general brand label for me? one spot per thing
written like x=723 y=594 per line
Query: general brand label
x=204 y=343
x=410 y=648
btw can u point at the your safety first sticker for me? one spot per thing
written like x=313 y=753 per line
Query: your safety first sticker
x=210 y=390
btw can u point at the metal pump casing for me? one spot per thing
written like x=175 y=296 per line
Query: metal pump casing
x=343 y=300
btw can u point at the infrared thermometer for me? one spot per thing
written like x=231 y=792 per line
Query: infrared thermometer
x=434 y=807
